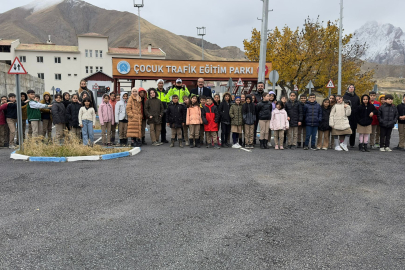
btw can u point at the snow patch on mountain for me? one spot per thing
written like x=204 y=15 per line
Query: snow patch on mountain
x=385 y=43
x=38 y=5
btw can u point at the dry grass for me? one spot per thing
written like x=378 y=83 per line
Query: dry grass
x=72 y=146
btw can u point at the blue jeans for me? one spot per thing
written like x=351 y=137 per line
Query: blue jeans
x=311 y=132
x=87 y=132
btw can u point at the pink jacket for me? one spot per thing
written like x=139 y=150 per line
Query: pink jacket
x=279 y=120
x=106 y=113
x=2 y=114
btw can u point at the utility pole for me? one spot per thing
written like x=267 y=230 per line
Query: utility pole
x=139 y=4
x=263 y=42
x=201 y=31
x=340 y=49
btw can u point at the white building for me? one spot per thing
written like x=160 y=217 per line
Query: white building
x=64 y=66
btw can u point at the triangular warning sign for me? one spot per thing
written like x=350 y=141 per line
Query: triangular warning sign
x=330 y=84
x=240 y=82
x=17 y=67
x=296 y=88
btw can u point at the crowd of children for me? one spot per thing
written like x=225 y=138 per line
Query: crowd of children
x=196 y=120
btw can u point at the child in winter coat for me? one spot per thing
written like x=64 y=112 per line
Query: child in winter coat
x=339 y=122
x=313 y=116
x=72 y=115
x=249 y=118
x=294 y=113
x=401 y=124
x=387 y=116
x=186 y=103
x=46 y=116
x=210 y=117
x=279 y=123
x=59 y=117
x=203 y=100
x=194 y=121
x=87 y=119
x=113 y=102
x=175 y=119
x=302 y=129
x=375 y=127
x=11 y=119
x=223 y=109
x=3 y=124
x=364 y=114
x=324 y=128
x=154 y=111
x=236 y=122
x=33 y=111
x=263 y=112
x=106 y=117
x=122 y=116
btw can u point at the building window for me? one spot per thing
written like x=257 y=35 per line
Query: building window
x=41 y=75
x=74 y=58
x=91 y=53
x=57 y=60
x=87 y=69
x=101 y=69
x=69 y=75
x=96 y=69
x=101 y=54
x=68 y=58
x=96 y=53
x=58 y=77
x=23 y=59
x=87 y=53
x=75 y=75
x=91 y=70
x=40 y=59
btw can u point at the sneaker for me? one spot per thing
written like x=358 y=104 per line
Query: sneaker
x=281 y=148
x=338 y=148
x=306 y=148
x=236 y=146
x=324 y=148
x=382 y=149
x=377 y=145
x=293 y=147
x=276 y=147
x=12 y=146
x=387 y=149
x=372 y=147
x=269 y=144
x=344 y=147
x=155 y=144
x=316 y=149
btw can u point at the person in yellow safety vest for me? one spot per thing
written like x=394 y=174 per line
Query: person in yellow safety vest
x=180 y=90
x=164 y=98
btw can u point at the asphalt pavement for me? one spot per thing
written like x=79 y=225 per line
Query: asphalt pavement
x=172 y=208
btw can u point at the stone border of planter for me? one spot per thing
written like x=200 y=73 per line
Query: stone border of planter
x=132 y=152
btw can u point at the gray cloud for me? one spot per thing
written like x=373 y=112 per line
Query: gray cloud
x=229 y=22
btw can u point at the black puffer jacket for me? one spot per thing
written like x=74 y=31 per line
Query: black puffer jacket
x=387 y=115
x=263 y=110
x=354 y=103
x=401 y=112
x=362 y=114
x=258 y=96
x=294 y=111
x=223 y=110
x=72 y=114
x=176 y=115
x=249 y=112
x=324 y=124
x=58 y=113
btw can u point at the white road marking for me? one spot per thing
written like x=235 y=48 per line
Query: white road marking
x=247 y=150
x=98 y=140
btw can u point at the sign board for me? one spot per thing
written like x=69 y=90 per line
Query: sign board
x=330 y=84
x=296 y=88
x=266 y=70
x=168 y=69
x=213 y=91
x=274 y=76
x=240 y=82
x=57 y=90
x=95 y=87
x=17 y=67
x=310 y=85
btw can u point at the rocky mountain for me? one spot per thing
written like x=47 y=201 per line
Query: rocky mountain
x=65 y=19
x=385 y=43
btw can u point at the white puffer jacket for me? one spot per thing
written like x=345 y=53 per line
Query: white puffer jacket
x=120 y=108
x=339 y=116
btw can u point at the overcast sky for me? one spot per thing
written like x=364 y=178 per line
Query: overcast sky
x=229 y=22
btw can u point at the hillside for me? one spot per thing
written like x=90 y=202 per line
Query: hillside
x=65 y=19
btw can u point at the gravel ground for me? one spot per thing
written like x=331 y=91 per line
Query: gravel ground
x=171 y=208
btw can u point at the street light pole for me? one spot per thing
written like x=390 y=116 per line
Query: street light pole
x=201 y=32
x=340 y=49
x=139 y=4
x=263 y=42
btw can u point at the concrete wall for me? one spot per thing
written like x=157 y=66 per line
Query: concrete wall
x=8 y=82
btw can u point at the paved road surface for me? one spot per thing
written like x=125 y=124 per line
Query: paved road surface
x=206 y=209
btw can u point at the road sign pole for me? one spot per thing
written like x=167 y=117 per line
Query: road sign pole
x=263 y=42
x=340 y=49
x=19 y=114
x=274 y=80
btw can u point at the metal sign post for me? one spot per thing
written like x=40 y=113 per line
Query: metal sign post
x=273 y=77
x=17 y=69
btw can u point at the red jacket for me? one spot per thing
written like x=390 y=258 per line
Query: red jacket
x=210 y=117
x=377 y=105
x=2 y=113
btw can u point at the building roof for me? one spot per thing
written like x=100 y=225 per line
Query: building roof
x=98 y=76
x=43 y=47
x=135 y=51
x=5 y=42
x=92 y=35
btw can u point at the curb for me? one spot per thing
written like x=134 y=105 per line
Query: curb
x=129 y=153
